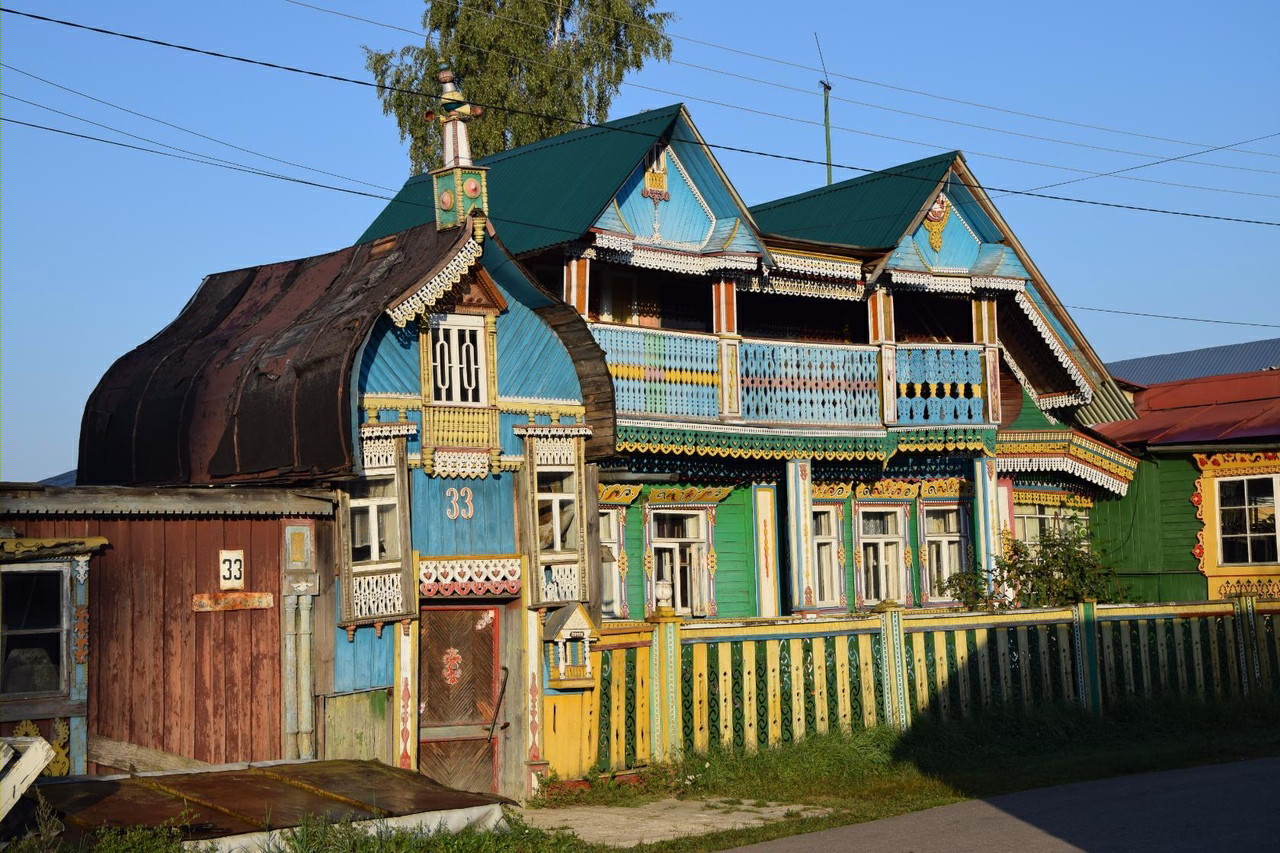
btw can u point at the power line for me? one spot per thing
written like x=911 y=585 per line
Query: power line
x=922 y=93
x=187 y=129
x=859 y=131
x=601 y=126
x=349 y=191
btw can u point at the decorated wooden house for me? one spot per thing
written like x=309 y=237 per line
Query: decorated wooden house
x=1199 y=520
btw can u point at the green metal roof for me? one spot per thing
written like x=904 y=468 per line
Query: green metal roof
x=871 y=212
x=548 y=192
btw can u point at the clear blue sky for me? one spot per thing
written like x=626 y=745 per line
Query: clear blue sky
x=102 y=246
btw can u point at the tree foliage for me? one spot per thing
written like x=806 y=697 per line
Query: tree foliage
x=559 y=58
x=1060 y=570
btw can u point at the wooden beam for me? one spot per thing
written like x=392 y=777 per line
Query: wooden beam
x=133 y=758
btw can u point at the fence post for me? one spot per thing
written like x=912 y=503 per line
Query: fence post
x=893 y=669
x=1244 y=612
x=664 y=685
x=1088 y=674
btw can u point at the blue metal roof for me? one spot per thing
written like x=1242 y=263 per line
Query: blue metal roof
x=1193 y=364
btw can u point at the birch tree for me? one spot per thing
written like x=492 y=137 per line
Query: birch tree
x=538 y=66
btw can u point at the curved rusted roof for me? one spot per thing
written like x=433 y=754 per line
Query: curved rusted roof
x=253 y=380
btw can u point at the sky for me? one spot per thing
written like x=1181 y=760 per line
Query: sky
x=101 y=246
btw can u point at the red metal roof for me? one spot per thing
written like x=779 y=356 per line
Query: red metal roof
x=1237 y=407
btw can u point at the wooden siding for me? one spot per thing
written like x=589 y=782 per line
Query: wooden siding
x=363 y=662
x=391 y=361
x=532 y=362
x=200 y=685
x=489 y=530
x=1148 y=534
x=356 y=725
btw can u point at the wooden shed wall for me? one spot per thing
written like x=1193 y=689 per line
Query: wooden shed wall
x=201 y=685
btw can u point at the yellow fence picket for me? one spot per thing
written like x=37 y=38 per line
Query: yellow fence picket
x=773 y=684
x=820 y=684
x=962 y=671
x=844 y=684
x=701 y=698
x=749 y=732
x=868 y=681
x=940 y=672
x=643 y=724
x=724 y=671
x=798 y=693
x=921 y=672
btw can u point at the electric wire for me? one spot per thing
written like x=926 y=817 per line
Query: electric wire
x=601 y=126
x=854 y=130
x=362 y=193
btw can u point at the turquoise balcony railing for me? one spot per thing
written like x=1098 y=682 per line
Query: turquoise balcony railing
x=675 y=374
x=809 y=383
x=940 y=384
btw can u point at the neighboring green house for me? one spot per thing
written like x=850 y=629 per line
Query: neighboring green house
x=1198 y=521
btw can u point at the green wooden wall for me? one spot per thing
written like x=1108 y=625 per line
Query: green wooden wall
x=1148 y=534
x=735 y=556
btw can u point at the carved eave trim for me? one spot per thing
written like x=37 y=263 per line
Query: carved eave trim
x=1055 y=345
x=688 y=496
x=618 y=494
x=817 y=265
x=552 y=430
x=772 y=282
x=428 y=291
x=388 y=429
x=1066 y=452
x=623 y=249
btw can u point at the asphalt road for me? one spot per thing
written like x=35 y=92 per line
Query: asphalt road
x=1229 y=807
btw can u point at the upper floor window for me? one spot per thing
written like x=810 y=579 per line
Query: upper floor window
x=375 y=522
x=36 y=605
x=945 y=537
x=1247 y=519
x=613 y=594
x=826 y=538
x=679 y=542
x=458 y=360
x=882 y=550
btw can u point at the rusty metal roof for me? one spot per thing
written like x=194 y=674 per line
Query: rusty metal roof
x=1241 y=408
x=253 y=380
x=249 y=798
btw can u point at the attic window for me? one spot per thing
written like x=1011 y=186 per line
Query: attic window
x=457 y=360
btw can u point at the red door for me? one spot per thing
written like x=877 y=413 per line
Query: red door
x=458 y=692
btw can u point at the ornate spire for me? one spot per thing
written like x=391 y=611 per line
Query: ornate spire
x=460 y=186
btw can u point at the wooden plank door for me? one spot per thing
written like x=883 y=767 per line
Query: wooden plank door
x=458 y=688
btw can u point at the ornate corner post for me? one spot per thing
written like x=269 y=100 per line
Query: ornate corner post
x=664 y=679
x=78 y=734
x=986 y=516
x=800 y=546
x=1085 y=648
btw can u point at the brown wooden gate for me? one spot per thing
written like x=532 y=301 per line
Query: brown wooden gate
x=458 y=687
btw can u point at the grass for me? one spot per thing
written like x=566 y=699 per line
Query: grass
x=866 y=775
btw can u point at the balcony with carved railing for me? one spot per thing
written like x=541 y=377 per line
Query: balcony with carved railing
x=460 y=426
x=809 y=383
x=940 y=384
x=561 y=582
x=658 y=372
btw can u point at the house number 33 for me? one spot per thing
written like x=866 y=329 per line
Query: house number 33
x=460 y=505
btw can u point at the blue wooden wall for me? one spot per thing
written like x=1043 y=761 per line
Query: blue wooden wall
x=490 y=530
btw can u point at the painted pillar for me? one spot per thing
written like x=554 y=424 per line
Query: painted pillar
x=289 y=689
x=986 y=515
x=800 y=547
x=77 y=729
x=1085 y=647
x=725 y=318
x=306 y=702
x=664 y=684
x=764 y=501
x=404 y=720
x=881 y=327
x=893 y=668
x=577 y=283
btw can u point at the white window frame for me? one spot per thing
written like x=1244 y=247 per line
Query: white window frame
x=369 y=507
x=63 y=569
x=1247 y=536
x=937 y=567
x=828 y=568
x=458 y=360
x=614 y=594
x=892 y=579
x=682 y=560
x=560 y=564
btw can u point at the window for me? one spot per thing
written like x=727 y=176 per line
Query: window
x=1030 y=521
x=826 y=538
x=612 y=560
x=457 y=360
x=557 y=507
x=1247 y=520
x=375 y=522
x=36 y=620
x=945 y=547
x=679 y=544
x=882 y=552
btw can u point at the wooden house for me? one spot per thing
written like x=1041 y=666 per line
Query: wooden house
x=580 y=383
x=1199 y=520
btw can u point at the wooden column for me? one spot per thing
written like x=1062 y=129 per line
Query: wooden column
x=724 y=303
x=800 y=547
x=986 y=515
x=880 y=325
x=985 y=331
x=577 y=283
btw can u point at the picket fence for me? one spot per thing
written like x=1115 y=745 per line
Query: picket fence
x=667 y=687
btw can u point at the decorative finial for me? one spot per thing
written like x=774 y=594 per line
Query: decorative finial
x=460 y=186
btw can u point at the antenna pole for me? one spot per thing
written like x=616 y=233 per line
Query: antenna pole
x=826 y=104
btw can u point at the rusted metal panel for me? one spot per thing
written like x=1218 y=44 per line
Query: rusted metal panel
x=1240 y=407
x=252 y=381
x=213 y=602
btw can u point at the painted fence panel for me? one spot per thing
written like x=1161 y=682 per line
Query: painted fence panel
x=757 y=683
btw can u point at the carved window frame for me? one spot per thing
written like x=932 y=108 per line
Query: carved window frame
x=463 y=338
x=902 y=575
x=832 y=543
x=389 y=574
x=962 y=537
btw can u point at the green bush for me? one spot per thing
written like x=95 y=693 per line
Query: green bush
x=1057 y=571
